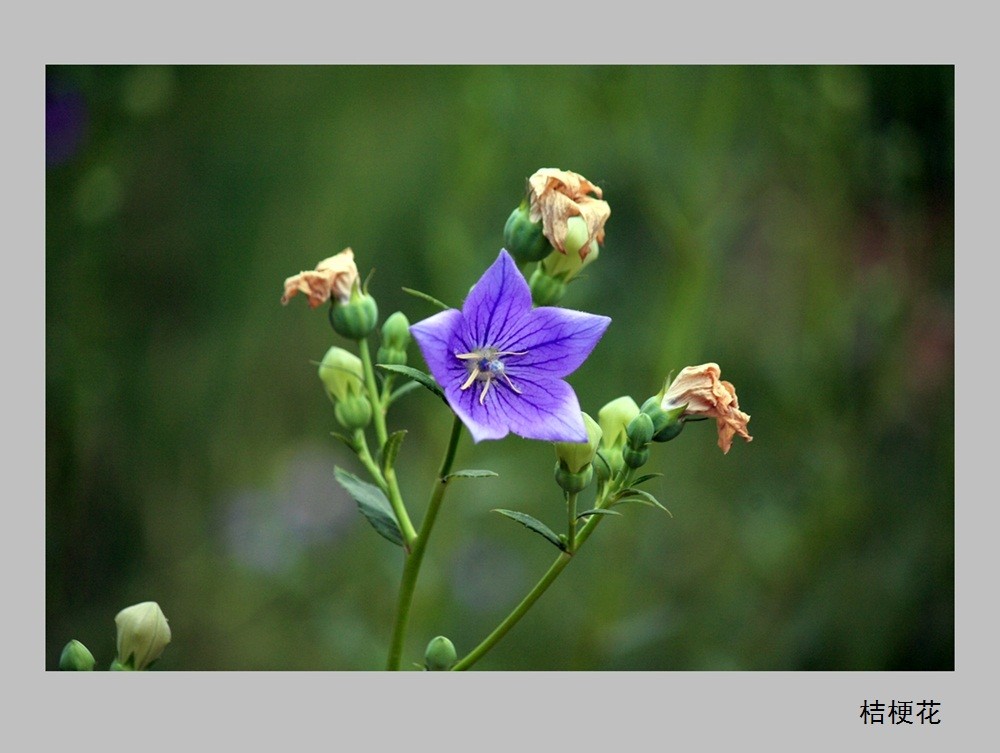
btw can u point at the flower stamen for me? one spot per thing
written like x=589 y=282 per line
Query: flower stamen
x=486 y=366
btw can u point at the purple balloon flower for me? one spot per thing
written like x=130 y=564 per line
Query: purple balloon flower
x=501 y=362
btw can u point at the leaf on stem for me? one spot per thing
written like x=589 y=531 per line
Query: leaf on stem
x=597 y=511
x=372 y=503
x=391 y=449
x=416 y=375
x=646 y=477
x=638 y=495
x=535 y=525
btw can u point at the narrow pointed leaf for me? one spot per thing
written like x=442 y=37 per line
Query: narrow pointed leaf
x=646 y=477
x=372 y=503
x=597 y=511
x=345 y=439
x=391 y=449
x=535 y=525
x=643 y=498
x=429 y=298
x=472 y=473
x=416 y=375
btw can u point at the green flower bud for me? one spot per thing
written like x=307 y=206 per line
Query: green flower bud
x=667 y=424
x=396 y=331
x=355 y=319
x=614 y=417
x=523 y=238
x=546 y=290
x=635 y=458
x=143 y=633
x=575 y=456
x=568 y=265
x=395 y=339
x=574 y=482
x=76 y=658
x=440 y=655
x=354 y=412
x=341 y=373
x=639 y=431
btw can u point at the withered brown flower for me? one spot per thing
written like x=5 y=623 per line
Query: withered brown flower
x=335 y=277
x=556 y=195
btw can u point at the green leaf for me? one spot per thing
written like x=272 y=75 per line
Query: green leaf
x=597 y=511
x=345 y=439
x=647 y=477
x=416 y=375
x=474 y=473
x=535 y=525
x=372 y=503
x=643 y=498
x=391 y=449
x=430 y=299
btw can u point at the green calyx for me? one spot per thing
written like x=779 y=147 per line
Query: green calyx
x=523 y=238
x=546 y=290
x=573 y=482
x=667 y=424
x=355 y=319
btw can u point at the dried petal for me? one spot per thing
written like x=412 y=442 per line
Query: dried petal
x=556 y=195
x=333 y=277
x=705 y=395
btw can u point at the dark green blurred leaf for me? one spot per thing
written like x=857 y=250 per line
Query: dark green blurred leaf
x=372 y=503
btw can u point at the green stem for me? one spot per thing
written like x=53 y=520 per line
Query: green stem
x=571 y=520
x=411 y=568
x=378 y=414
x=365 y=456
x=521 y=609
x=378 y=409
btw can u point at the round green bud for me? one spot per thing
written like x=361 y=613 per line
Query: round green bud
x=440 y=655
x=523 y=238
x=355 y=319
x=342 y=373
x=574 y=482
x=635 y=458
x=396 y=331
x=545 y=289
x=143 y=633
x=354 y=412
x=639 y=432
x=76 y=658
x=666 y=424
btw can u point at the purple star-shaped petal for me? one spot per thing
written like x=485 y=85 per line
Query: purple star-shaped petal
x=501 y=362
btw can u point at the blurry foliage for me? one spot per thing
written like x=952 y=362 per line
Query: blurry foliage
x=793 y=224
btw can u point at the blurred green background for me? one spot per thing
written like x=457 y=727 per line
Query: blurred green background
x=793 y=224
